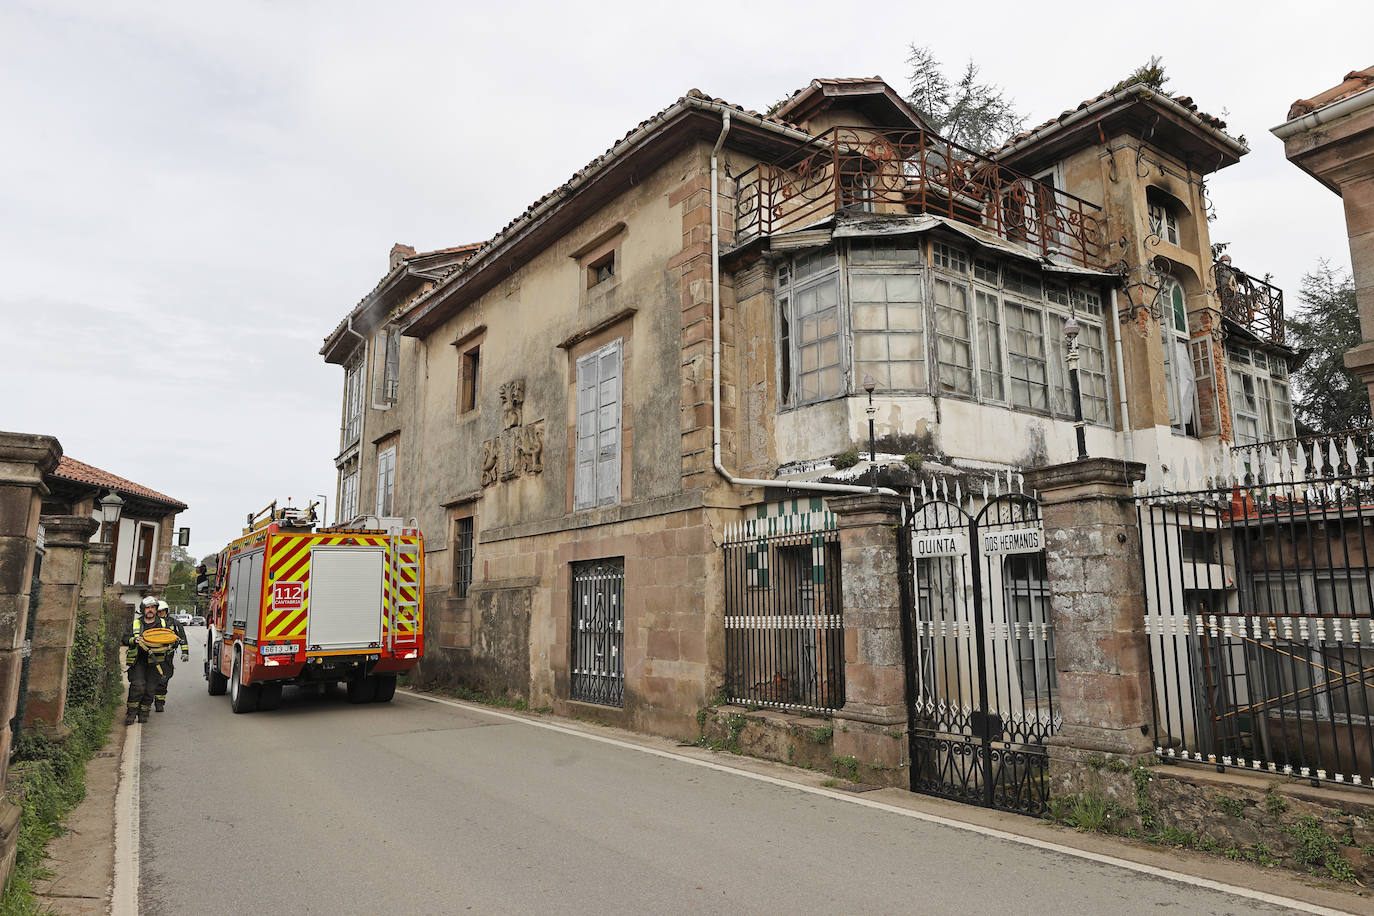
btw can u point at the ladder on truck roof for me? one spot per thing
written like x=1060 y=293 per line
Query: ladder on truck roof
x=405 y=581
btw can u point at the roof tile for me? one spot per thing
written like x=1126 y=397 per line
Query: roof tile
x=81 y=472
x=1355 y=81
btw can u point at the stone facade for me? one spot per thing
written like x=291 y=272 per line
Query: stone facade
x=1098 y=608
x=24 y=459
x=64 y=563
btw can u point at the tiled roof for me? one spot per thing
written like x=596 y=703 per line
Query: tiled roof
x=1355 y=81
x=1181 y=100
x=457 y=249
x=81 y=472
x=691 y=94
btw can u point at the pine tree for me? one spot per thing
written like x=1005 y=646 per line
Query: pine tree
x=1328 y=397
x=972 y=113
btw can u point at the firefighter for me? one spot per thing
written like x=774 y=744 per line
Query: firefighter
x=160 y=696
x=143 y=661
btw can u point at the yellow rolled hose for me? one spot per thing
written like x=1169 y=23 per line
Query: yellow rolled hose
x=160 y=636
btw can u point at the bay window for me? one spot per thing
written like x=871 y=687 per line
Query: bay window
x=961 y=325
x=1261 y=405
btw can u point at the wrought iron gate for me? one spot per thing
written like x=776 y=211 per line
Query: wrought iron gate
x=598 y=632
x=979 y=649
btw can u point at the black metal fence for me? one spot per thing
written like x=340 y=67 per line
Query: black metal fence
x=1258 y=614
x=598 y=632
x=784 y=624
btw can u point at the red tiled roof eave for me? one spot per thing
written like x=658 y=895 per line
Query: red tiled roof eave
x=1355 y=81
x=1183 y=101
x=81 y=472
x=501 y=235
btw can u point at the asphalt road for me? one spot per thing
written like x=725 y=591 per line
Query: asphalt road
x=417 y=807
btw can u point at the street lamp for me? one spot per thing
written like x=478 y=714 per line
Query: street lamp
x=1079 y=431
x=111 y=507
x=869 y=385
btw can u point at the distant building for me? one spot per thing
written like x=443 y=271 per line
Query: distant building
x=141 y=560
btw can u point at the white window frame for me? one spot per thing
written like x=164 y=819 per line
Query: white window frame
x=1163 y=221
x=796 y=280
x=348 y=491
x=386 y=367
x=598 y=436
x=1174 y=341
x=386 y=481
x=1272 y=410
x=353 y=397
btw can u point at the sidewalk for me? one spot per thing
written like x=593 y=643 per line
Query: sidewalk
x=82 y=858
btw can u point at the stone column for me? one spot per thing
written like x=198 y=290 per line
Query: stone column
x=93 y=583
x=872 y=725
x=24 y=459
x=55 y=622
x=1098 y=610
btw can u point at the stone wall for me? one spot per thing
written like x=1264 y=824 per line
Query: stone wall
x=1268 y=821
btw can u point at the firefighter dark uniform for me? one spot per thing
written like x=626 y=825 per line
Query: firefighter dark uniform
x=143 y=665
x=160 y=695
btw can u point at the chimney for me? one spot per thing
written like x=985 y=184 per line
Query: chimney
x=398 y=254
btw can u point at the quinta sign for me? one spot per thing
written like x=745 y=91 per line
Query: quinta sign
x=952 y=544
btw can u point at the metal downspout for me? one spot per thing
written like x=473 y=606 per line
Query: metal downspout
x=1123 y=411
x=715 y=354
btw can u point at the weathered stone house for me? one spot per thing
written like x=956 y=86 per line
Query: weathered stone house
x=549 y=410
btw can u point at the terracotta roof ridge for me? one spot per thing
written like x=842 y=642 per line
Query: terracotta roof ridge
x=1354 y=82
x=69 y=468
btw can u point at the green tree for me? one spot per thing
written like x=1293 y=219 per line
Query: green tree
x=1327 y=396
x=970 y=112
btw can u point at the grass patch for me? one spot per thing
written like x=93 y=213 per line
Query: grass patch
x=48 y=779
x=1232 y=806
x=1318 y=850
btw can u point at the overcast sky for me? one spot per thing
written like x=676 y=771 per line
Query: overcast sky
x=192 y=195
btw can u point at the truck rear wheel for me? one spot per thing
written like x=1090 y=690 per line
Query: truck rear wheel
x=269 y=696
x=362 y=689
x=386 y=688
x=216 y=683
x=242 y=697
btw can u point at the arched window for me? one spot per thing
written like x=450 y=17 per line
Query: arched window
x=1180 y=379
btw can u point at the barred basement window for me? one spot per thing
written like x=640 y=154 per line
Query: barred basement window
x=598 y=631
x=462 y=557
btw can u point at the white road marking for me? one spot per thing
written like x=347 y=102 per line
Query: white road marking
x=124 y=899
x=1140 y=867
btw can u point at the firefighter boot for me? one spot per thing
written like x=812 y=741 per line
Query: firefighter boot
x=130 y=716
x=159 y=703
x=143 y=714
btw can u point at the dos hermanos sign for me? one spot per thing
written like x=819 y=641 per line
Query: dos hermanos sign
x=1013 y=540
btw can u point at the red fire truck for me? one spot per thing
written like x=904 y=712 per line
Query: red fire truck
x=296 y=604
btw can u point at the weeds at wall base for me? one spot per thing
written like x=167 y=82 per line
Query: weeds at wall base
x=48 y=779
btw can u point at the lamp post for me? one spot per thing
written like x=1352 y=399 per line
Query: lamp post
x=111 y=507
x=869 y=385
x=1079 y=430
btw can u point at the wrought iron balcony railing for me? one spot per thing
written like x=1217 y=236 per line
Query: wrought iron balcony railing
x=1255 y=304
x=895 y=172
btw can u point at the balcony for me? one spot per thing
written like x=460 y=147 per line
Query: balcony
x=861 y=170
x=1254 y=304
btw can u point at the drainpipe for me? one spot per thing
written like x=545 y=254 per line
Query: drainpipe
x=1122 y=410
x=715 y=355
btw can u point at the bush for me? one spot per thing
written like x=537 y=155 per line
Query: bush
x=845 y=460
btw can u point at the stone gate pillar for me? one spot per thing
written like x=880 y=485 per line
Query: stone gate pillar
x=93 y=584
x=871 y=727
x=55 y=622
x=24 y=459
x=1098 y=610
